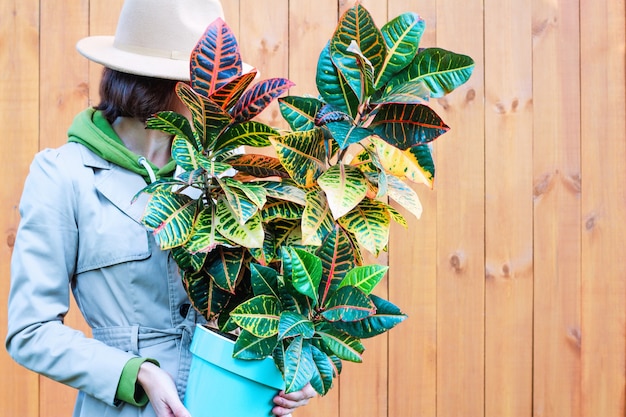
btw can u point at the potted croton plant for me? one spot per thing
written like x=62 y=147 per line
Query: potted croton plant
x=269 y=247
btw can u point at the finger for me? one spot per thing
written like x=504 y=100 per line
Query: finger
x=281 y=412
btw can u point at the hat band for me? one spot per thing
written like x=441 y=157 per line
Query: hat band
x=157 y=53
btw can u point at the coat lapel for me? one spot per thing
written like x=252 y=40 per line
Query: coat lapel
x=118 y=185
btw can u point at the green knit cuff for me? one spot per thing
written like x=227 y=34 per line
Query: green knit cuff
x=128 y=389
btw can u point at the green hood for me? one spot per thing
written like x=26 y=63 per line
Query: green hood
x=91 y=129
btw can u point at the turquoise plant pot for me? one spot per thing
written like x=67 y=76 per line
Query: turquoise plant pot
x=221 y=386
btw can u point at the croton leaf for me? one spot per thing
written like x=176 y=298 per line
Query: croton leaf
x=170 y=217
x=255 y=193
x=229 y=93
x=205 y=296
x=215 y=58
x=317 y=219
x=441 y=70
x=264 y=280
x=299 y=112
x=242 y=207
x=397 y=217
x=404 y=195
x=303 y=270
x=367 y=71
x=174 y=124
x=286 y=232
x=280 y=209
x=357 y=25
x=250 y=347
x=302 y=153
x=344 y=186
x=343 y=345
x=258 y=166
x=328 y=114
x=259 y=315
x=259 y=96
x=224 y=267
x=332 y=85
x=187 y=261
x=386 y=317
x=208 y=118
x=348 y=304
x=205 y=237
x=323 y=372
x=345 y=133
x=294 y=324
x=402 y=36
x=185 y=154
x=407 y=125
x=228 y=225
x=284 y=190
x=369 y=222
x=365 y=277
x=412 y=92
x=250 y=133
x=337 y=256
x=298 y=363
x=405 y=164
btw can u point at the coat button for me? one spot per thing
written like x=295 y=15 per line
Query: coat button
x=184 y=309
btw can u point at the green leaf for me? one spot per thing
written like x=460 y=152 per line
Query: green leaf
x=264 y=280
x=186 y=261
x=239 y=203
x=441 y=70
x=284 y=190
x=302 y=155
x=317 y=219
x=208 y=118
x=364 y=277
x=248 y=133
x=343 y=345
x=332 y=85
x=305 y=271
x=323 y=372
x=299 y=112
x=411 y=92
x=259 y=315
x=251 y=347
x=254 y=192
x=204 y=236
x=215 y=59
x=357 y=25
x=338 y=257
x=175 y=124
x=348 y=304
x=346 y=133
x=299 y=365
x=422 y=157
x=386 y=317
x=293 y=324
x=407 y=125
x=344 y=186
x=225 y=267
x=402 y=36
x=170 y=217
x=370 y=224
x=185 y=154
x=205 y=296
x=250 y=234
x=403 y=164
x=277 y=209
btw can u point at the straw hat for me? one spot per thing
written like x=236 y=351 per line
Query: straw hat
x=154 y=37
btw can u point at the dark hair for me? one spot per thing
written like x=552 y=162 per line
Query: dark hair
x=129 y=95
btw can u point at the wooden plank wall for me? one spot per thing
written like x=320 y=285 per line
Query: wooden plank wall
x=514 y=278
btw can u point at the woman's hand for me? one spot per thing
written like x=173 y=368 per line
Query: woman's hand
x=287 y=403
x=161 y=390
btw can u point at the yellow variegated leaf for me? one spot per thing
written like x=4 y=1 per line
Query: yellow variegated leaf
x=344 y=186
x=317 y=220
x=369 y=222
x=400 y=164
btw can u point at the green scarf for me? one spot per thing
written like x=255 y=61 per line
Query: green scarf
x=91 y=129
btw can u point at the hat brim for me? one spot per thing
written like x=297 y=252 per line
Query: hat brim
x=100 y=49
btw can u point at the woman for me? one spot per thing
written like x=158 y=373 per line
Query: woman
x=79 y=231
